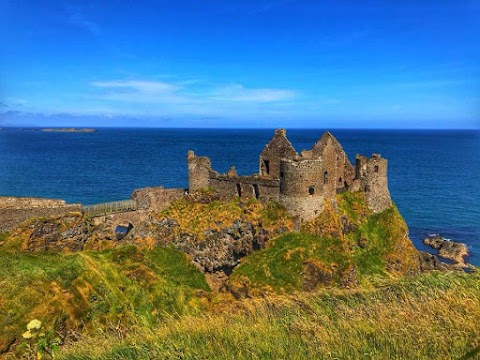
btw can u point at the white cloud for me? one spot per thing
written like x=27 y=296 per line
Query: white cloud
x=239 y=93
x=136 y=85
x=159 y=92
x=139 y=91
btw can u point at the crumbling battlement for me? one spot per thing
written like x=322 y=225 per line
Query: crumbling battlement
x=301 y=182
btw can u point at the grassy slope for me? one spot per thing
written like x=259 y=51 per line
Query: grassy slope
x=376 y=246
x=196 y=218
x=126 y=286
x=148 y=297
x=431 y=316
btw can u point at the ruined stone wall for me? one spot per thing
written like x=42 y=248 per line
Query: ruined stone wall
x=277 y=149
x=338 y=172
x=199 y=169
x=371 y=175
x=302 y=187
x=301 y=183
x=156 y=198
x=14 y=211
x=245 y=187
x=136 y=218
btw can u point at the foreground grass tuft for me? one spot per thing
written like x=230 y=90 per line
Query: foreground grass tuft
x=432 y=316
x=121 y=288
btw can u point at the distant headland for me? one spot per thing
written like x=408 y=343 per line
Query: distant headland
x=73 y=130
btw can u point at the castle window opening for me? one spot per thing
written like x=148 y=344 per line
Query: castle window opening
x=375 y=168
x=325 y=177
x=311 y=190
x=281 y=175
x=266 y=166
x=256 y=191
x=340 y=180
x=239 y=190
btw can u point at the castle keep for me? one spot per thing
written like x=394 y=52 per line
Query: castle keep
x=300 y=182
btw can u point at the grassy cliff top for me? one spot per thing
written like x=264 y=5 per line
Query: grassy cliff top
x=342 y=247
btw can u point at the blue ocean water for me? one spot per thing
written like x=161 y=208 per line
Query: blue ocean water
x=434 y=176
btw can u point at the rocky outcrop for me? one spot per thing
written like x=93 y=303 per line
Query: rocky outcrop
x=447 y=249
x=222 y=250
x=429 y=262
x=69 y=233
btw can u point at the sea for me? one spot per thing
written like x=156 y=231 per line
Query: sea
x=434 y=176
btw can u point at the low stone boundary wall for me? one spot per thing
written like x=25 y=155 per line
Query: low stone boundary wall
x=14 y=211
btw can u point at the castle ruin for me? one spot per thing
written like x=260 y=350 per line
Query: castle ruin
x=303 y=182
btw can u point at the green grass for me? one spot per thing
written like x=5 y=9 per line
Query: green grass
x=196 y=217
x=281 y=266
x=375 y=246
x=432 y=316
x=126 y=286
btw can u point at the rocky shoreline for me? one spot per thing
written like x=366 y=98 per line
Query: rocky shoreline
x=448 y=249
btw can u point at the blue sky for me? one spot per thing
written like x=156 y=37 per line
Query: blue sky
x=249 y=63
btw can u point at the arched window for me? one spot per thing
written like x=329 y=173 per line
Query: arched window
x=311 y=190
x=375 y=168
x=325 y=177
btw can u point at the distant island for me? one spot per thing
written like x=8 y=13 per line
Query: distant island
x=85 y=130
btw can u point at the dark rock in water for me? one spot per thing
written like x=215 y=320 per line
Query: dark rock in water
x=448 y=249
x=430 y=262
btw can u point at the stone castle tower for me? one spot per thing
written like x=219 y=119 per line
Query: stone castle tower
x=302 y=183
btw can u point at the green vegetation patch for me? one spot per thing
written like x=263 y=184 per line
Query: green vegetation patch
x=288 y=261
x=123 y=286
x=196 y=217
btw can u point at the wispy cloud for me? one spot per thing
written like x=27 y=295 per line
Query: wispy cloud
x=13 y=102
x=429 y=83
x=140 y=91
x=136 y=85
x=239 y=93
x=185 y=92
x=77 y=18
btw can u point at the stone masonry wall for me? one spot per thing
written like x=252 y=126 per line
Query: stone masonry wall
x=301 y=187
x=245 y=187
x=338 y=173
x=199 y=168
x=277 y=149
x=156 y=198
x=372 y=174
x=14 y=211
